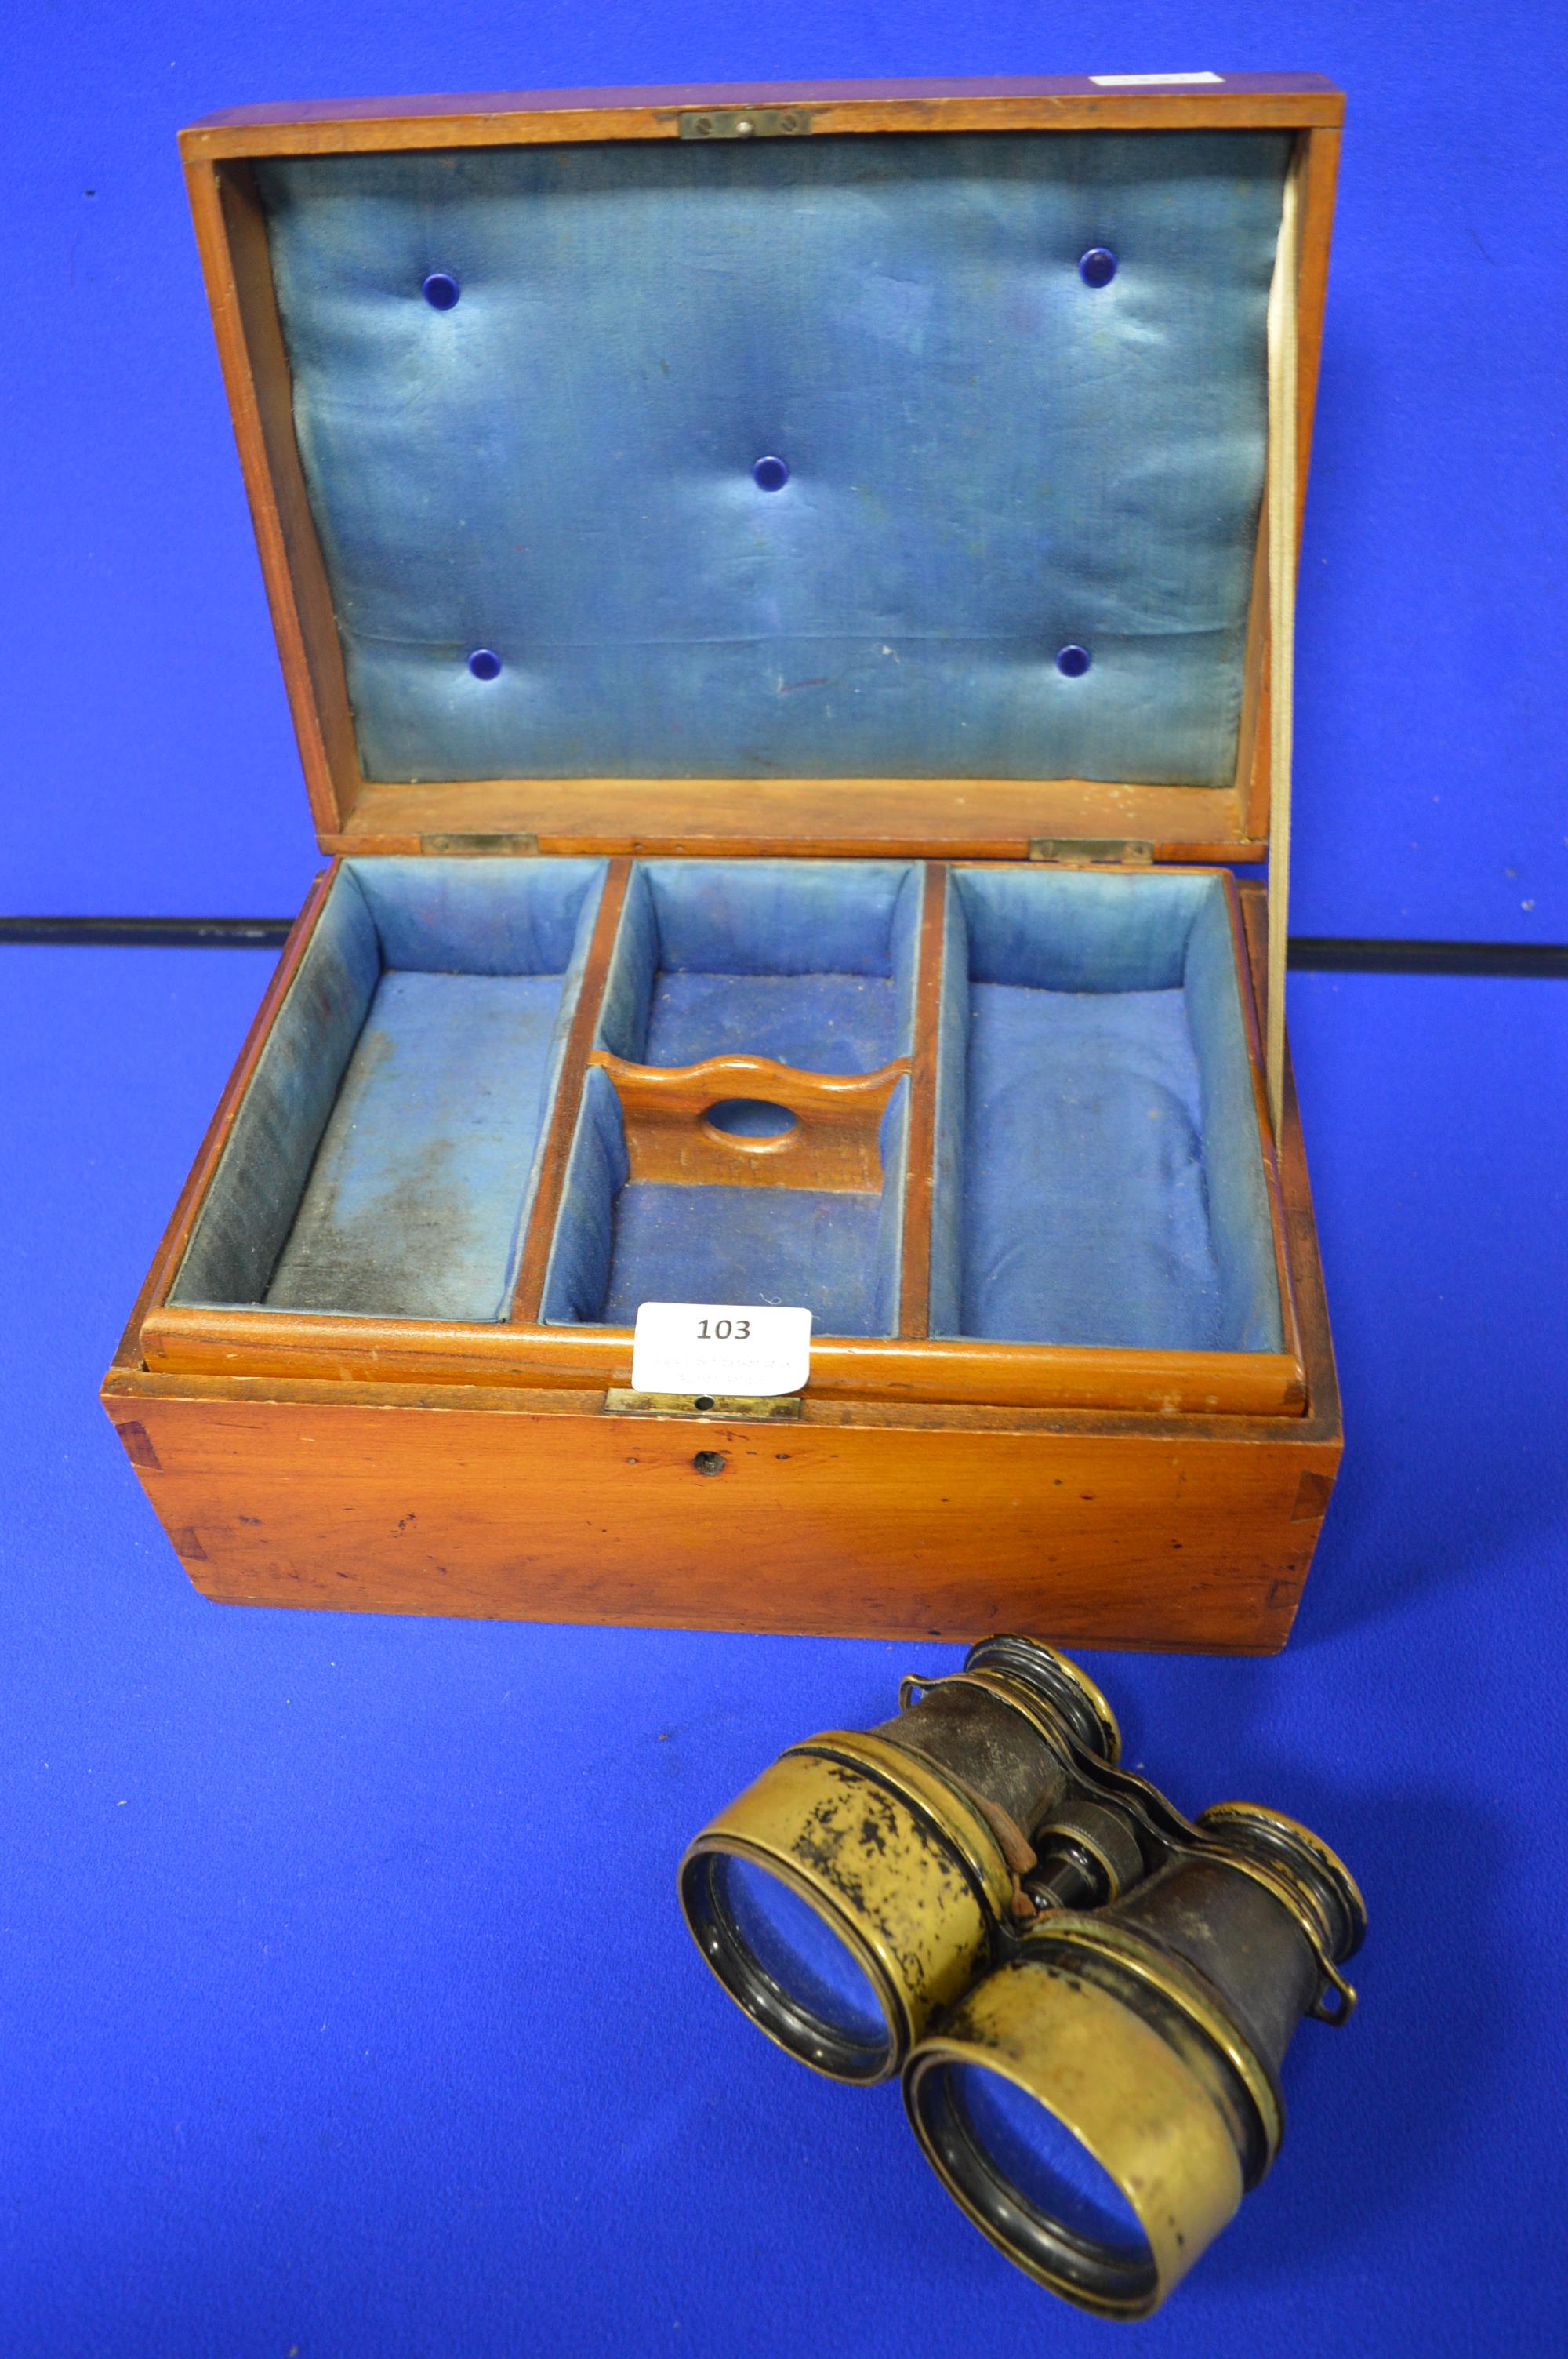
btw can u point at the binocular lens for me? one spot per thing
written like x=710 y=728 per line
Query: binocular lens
x=791 y=1970
x=1034 y=2186
x=1041 y=2164
x=799 y=1951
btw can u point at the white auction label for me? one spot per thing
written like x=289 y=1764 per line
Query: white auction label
x=1150 y=82
x=750 y=1348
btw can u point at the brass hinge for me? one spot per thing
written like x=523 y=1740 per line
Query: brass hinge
x=499 y=847
x=773 y=1409
x=1092 y=851
x=745 y=122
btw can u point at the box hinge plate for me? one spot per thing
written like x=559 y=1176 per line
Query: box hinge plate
x=745 y=122
x=774 y=1409
x=1092 y=851
x=475 y=847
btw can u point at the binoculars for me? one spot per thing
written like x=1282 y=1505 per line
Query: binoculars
x=1088 y=1996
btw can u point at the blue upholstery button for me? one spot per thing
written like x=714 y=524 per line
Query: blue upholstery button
x=440 y=290
x=770 y=474
x=1097 y=266
x=1071 y=662
x=485 y=663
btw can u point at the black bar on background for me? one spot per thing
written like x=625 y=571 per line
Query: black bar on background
x=1342 y=955
x=1310 y=953
x=150 y=933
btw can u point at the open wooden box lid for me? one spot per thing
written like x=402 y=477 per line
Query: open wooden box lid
x=502 y=370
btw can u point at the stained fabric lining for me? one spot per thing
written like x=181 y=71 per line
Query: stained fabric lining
x=383 y=1161
x=413 y=1201
x=987 y=459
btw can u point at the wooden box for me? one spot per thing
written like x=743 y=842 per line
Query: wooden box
x=787 y=600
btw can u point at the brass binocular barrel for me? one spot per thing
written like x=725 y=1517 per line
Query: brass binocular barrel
x=1088 y=1996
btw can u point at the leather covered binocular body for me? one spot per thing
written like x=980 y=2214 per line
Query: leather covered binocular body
x=1088 y=1996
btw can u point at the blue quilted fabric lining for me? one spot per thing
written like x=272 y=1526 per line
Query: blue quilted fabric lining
x=989 y=460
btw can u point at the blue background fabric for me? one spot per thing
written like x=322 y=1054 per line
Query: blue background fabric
x=558 y=468
x=147 y=733
x=345 y=2007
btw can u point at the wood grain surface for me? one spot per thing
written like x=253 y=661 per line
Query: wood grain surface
x=833 y=1141
x=1016 y=102
x=920 y=1173
x=982 y=818
x=450 y=1503
x=534 y=1259
x=1092 y=1525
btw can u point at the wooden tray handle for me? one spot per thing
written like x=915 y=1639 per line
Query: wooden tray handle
x=832 y=1141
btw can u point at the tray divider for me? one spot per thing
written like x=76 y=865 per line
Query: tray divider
x=914 y=1276
x=833 y=1144
x=528 y=1292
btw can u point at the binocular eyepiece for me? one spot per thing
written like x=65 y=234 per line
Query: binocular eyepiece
x=1088 y=1995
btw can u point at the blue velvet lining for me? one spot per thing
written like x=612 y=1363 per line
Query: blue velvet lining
x=810 y=962
x=255 y=1191
x=817 y=1023
x=617 y=1246
x=1098 y=1171
x=988 y=459
x=383 y=1161
x=412 y=1207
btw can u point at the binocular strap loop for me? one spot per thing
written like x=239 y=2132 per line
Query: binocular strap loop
x=1318 y=2010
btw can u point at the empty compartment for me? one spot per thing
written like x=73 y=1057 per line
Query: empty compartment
x=384 y=1159
x=808 y=964
x=1100 y=1174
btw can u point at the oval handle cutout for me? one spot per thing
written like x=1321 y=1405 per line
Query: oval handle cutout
x=751 y=1119
x=739 y=1121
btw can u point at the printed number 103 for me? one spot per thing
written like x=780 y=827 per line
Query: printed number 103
x=723 y=1331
